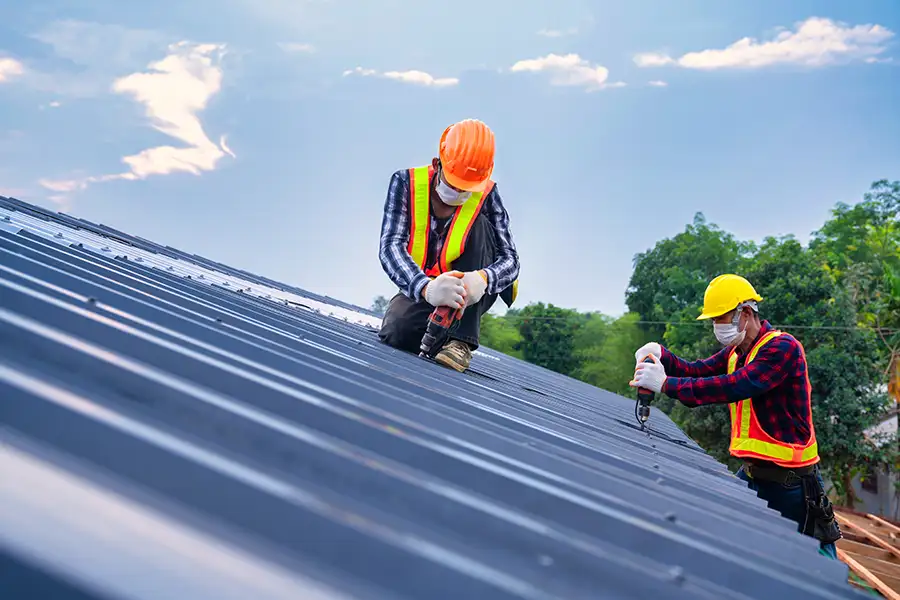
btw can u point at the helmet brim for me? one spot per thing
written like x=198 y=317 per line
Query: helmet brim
x=712 y=315
x=462 y=184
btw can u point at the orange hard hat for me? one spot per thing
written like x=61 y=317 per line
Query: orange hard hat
x=467 y=155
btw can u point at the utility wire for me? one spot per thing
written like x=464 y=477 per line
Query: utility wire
x=702 y=324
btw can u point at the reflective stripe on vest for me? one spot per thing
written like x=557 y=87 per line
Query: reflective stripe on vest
x=420 y=222
x=749 y=440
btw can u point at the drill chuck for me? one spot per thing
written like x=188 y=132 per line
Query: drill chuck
x=645 y=397
x=439 y=323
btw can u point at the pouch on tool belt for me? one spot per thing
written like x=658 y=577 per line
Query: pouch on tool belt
x=820 y=522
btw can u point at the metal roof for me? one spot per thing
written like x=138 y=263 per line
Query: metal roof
x=173 y=428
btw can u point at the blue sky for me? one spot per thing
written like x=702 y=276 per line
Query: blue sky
x=263 y=133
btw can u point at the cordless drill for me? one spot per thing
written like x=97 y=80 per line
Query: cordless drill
x=644 y=398
x=439 y=323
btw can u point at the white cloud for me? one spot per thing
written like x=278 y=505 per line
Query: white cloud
x=297 y=47
x=61 y=186
x=653 y=59
x=10 y=68
x=568 y=70
x=172 y=91
x=412 y=76
x=816 y=42
x=558 y=33
x=657 y=83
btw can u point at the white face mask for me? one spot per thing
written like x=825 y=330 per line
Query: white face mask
x=450 y=196
x=728 y=334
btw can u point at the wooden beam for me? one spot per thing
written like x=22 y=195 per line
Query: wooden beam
x=887 y=525
x=858 y=548
x=868 y=576
x=861 y=531
x=889 y=573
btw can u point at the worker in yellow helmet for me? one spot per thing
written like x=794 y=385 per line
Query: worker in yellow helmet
x=761 y=374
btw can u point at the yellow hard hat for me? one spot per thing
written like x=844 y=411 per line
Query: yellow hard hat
x=724 y=293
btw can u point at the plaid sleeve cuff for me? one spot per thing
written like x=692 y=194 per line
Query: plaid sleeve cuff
x=418 y=284
x=491 y=278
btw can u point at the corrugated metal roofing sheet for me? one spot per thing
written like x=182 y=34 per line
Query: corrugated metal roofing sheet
x=176 y=428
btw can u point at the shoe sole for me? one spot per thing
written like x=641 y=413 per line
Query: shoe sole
x=449 y=362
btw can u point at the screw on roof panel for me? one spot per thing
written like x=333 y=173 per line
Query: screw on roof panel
x=677 y=574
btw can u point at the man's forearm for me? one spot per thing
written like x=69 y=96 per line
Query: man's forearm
x=707 y=367
x=697 y=391
x=403 y=271
x=766 y=372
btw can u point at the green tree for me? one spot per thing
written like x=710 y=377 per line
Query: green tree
x=604 y=347
x=501 y=334
x=548 y=336
x=669 y=279
x=860 y=244
x=865 y=233
x=379 y=305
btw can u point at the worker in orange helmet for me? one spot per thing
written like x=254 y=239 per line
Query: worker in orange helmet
x=445 y=241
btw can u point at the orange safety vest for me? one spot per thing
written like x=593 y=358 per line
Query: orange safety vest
x=748 y=440
x=460 y=226
x=420 y=220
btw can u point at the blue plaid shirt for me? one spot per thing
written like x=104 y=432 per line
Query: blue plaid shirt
x=403 y=270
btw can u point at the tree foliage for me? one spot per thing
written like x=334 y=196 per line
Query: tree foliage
x=548 y=336
x=379 y=305
x=502 y=335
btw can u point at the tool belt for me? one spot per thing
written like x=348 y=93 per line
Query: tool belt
x=819 y=521
x=776 y=474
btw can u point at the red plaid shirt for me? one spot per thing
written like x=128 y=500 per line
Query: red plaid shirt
x=775 y=380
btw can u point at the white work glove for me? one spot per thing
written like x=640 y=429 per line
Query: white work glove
x=646 y=350
x=446 y=289
x=475 y=287
x=650 y=375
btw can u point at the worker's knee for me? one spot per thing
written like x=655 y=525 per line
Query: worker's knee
x=403 y=324
x=401 y=337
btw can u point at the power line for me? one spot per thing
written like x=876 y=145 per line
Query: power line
x=886 y=330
